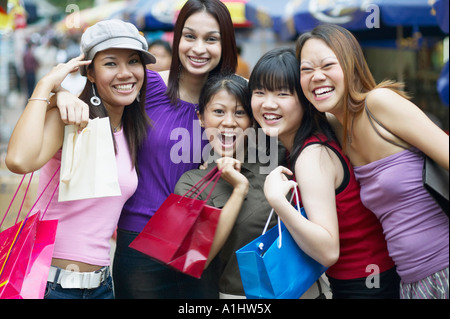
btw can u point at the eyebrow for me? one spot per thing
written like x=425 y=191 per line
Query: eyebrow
x=192 y=30
x=327 y=57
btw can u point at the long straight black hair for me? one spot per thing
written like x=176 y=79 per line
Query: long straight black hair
x=277 y=70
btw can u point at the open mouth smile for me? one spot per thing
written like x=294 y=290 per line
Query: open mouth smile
x=323 y=91
x=271 y=117
x=197 y=60
x=124 y=88
x=227 y=139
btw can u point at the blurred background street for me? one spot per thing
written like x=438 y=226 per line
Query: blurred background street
x=402 y=40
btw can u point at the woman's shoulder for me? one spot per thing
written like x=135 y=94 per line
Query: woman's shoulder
x=155 y=78
x=190 y=178
x=382 y=99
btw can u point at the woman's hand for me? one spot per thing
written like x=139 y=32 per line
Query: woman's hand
x=231 y=172
x=277 y=185
x=60 y=71
x=73 y=111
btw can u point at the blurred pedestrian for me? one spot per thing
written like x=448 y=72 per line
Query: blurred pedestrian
x=386 y=138
x=162 y=51
x=30 y=65
x=46 y=55
x=116 y=81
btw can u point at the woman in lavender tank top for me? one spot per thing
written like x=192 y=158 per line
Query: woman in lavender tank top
x=385 y=136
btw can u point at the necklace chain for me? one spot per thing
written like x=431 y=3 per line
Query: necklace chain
x=115 y=129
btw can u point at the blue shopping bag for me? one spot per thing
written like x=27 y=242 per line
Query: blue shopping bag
x=274 y=267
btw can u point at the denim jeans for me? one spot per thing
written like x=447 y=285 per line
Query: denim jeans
x=137 y=276
x=104 y=291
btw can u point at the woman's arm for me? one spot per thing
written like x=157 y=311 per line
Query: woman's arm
x=317 y=176
x=230 y=173
x=39 y=131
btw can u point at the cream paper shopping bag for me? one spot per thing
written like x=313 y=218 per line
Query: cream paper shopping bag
x=88 y=162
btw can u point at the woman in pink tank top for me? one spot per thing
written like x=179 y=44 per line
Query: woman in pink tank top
x=113 y=59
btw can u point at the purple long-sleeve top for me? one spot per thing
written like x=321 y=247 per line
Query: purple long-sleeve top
x=173 y=146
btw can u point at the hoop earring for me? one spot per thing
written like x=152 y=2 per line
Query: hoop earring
x=95 y=100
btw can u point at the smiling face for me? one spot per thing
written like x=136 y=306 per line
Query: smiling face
x=200 y=45
x=118 y=75
x=322 y=78
x=279 y=113
x=225 y=121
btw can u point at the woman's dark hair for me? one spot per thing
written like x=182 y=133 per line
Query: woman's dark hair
x=228 y=61
x=135 y=120
x=162 y=43
x=234 y=84
x=277 y=70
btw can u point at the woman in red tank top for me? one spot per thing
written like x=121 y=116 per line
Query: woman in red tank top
x=339 y=232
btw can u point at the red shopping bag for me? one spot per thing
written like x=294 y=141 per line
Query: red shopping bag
x=26 y=250
x=181 y=231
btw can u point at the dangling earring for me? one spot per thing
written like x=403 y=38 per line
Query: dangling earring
x=95 y=100
x=138 y=97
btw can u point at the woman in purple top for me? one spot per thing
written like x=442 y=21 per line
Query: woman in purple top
x=385 y=136
x=204 y=43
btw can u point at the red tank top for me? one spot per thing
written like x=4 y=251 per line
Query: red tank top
x=362 y=244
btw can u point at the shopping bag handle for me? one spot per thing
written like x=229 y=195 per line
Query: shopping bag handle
x=73 y=155
x=42 y=193
x=24 y=196
x=201 y=182
x=294 y=193
x=213 y=175
x=14 y=197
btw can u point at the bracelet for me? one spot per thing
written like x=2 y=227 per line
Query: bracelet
x=39 y=99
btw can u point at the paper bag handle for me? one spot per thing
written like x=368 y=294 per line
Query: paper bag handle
x=213 y=175
x=73 y=154
x=295 y=192
x=25 y=194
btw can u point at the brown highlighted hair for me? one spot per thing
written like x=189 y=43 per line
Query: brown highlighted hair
x=358 y=79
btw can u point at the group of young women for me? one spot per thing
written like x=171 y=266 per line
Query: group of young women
x=362 y=194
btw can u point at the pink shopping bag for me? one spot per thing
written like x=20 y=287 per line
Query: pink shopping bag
x=26 y=250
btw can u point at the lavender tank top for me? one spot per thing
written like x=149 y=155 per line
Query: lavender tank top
x=415 y=227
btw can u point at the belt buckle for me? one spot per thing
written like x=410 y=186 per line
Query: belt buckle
x=102 y=272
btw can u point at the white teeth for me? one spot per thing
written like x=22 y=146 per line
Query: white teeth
x=124 y=87
x=321 y=91
x=229 y=134
x=271 y=117
x=198 y=60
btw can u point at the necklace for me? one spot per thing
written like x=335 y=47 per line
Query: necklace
x=115 y=129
